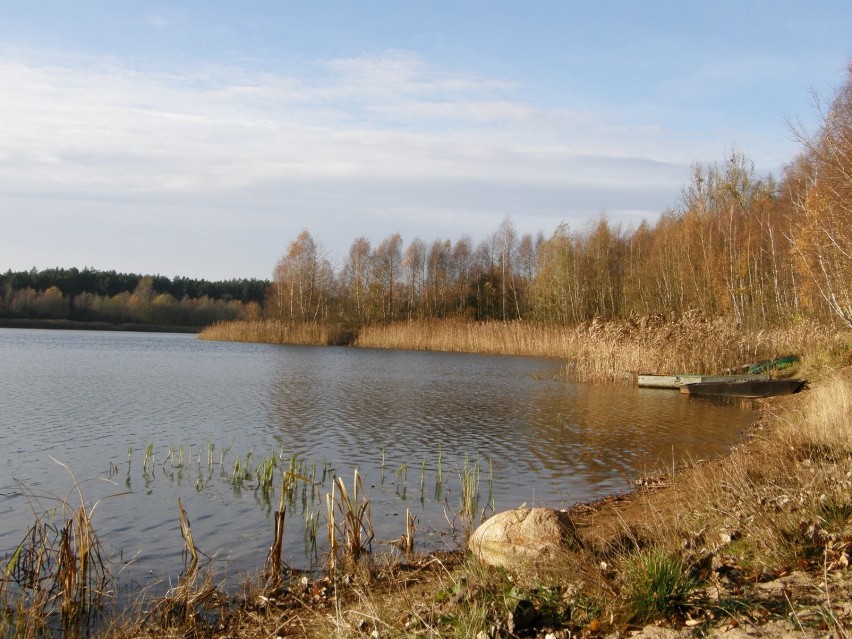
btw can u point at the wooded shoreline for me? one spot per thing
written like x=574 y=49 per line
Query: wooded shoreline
x=72 y=325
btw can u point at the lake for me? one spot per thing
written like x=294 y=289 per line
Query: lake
x=142 y=419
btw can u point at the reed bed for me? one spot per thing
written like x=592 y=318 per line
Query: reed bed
x=596 y=351
x=615 y=351
x=58 y=577
x=279 y=332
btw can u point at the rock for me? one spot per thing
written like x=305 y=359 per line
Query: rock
x=517 y=538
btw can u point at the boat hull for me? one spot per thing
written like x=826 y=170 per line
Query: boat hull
x=677 y=381
x=748 y=389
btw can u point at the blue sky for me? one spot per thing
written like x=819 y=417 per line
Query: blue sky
x=199 y=138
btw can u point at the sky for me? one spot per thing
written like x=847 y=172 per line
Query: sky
x=199 y=138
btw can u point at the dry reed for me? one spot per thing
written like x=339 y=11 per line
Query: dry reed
x=278 y=332
x=597 y=351
x=785 y=497
x=613 y=351
x=355 y=527
x=58 y=568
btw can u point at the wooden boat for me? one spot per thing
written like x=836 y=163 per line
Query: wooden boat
x=744 y=388
x=677 y=381
x=773 y=364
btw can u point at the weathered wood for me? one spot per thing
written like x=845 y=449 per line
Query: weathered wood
x=678 y=381
x=747 y=388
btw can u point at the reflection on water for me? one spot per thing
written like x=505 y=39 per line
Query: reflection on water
x=96 y=401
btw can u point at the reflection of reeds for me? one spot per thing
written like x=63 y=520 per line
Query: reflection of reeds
x=402 y=480
x=149 y=459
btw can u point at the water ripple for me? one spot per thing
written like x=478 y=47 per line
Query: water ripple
x=87 y=399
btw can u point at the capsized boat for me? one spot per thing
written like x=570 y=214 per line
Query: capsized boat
x=745 y=388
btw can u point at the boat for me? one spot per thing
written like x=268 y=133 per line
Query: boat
x=745 y=388
x=677 y=381
x=774 y=364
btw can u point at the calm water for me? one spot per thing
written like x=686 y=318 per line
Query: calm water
x=95 y=401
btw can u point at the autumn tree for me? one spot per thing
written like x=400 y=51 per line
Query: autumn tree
x=823 y=237
x=460 y=268
x=355 y=280
x=556 y=289
x=414 y=268
x=302 y=281
x=438 y=277
x=386 y=267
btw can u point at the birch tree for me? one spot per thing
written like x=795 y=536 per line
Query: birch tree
x=824 y=236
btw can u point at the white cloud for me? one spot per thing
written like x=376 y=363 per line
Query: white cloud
x=368 y=143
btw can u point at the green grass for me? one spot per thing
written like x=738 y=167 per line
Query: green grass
x=657 y=585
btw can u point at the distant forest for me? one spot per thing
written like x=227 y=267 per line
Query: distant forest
x=90 y=295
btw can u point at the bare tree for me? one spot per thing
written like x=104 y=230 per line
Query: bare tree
x=302 y=280
x=356 y=278
x=387 y=264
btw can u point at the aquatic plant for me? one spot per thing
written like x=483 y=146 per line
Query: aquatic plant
x=59 y=567
x=355 y=527
x=190 y=552
x=469 y=482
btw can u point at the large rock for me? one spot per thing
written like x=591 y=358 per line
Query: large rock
x=524 y=536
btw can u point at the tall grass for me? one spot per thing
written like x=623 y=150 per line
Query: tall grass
x=59 y=568
x=279 y=332
x=596 y=351
x=786 y=498
x=613 y=351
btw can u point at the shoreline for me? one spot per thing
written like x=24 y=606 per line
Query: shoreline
x=760 y=539
x=451 y=594
x=73 y=325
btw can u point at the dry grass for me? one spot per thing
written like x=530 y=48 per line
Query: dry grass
x=786 y=498
x=618 y=350
x=58 y=576
x=597 y=351
x=279 y=332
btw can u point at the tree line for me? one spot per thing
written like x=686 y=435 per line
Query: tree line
x=752 y=248
x=108 y=296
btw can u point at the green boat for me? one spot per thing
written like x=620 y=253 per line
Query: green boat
x=773 y=364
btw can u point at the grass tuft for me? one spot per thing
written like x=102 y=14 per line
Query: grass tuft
x=657 y=585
